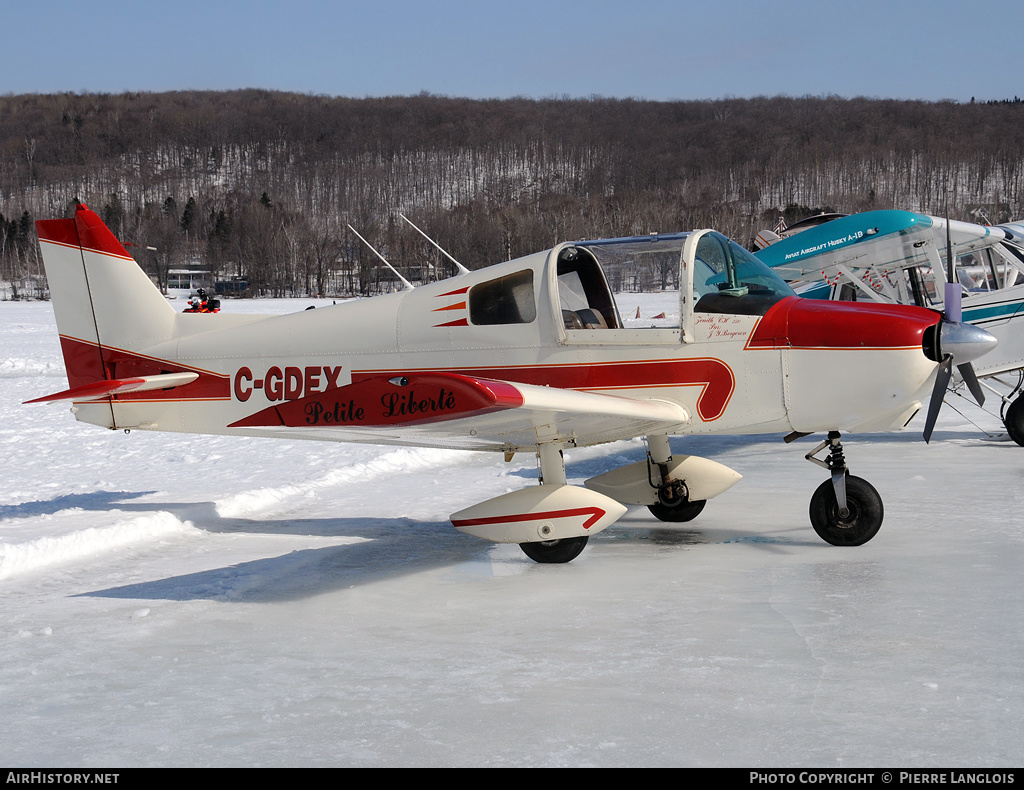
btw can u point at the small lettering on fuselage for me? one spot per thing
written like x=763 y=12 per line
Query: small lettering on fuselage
x=290 y=383
x=719 y=326
x=317 y=413
x=394 y=407
x=397 y=405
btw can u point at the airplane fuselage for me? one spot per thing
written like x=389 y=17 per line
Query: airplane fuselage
x=801 y=366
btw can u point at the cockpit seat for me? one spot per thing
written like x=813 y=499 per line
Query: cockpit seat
x=571 y=320
x=592 y=319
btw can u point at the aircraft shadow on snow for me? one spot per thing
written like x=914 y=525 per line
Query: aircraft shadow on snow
x=390 y=546
x=95 y=500
x=393 y=547
x=114 y=500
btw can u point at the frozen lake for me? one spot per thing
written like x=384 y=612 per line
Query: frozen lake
x=168 y=600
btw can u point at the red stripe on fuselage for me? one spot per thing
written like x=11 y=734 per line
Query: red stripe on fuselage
x=380 y=401
x=796 y=322
x=713 y=375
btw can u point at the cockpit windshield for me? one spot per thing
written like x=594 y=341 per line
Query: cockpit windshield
x=728 y=279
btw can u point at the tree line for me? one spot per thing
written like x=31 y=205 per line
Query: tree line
x=267 y=187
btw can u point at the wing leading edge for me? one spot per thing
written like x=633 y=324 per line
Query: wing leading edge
x=458 y=411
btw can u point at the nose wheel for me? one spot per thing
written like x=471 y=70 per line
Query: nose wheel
x=844 y=510
x=853 y=525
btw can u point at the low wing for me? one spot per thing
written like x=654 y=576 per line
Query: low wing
x=466 y=412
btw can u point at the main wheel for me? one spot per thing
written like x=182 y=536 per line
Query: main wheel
x=563 y=550
x=1014 y=420
x=859 y=525
x=684 y=511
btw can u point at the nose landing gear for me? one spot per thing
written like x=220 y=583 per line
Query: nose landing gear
x=845 y=510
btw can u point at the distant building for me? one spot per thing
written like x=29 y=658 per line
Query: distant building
x=231 y=286
x=29 y=286
x=189 y=279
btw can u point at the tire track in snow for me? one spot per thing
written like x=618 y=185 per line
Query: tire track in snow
x=23 y=367
x=19 y=558
x=404 y=461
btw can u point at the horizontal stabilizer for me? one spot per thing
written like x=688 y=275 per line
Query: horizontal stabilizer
x=104 y=389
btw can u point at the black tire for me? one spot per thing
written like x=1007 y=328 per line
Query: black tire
x=859 y=526
x=564 y=550
x=1014 y=420
x=684 y=511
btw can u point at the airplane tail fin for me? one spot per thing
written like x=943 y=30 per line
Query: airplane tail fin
x=103 y=301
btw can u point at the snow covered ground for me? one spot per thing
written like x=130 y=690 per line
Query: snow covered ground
x=168 y=600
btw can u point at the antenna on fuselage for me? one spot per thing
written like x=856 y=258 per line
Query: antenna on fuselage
x=364 y=241
x=462 y=269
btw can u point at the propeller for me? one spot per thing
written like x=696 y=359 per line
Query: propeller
x=954 y=343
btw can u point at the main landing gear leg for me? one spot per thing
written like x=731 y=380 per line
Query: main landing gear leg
x=844 y=510
x=673 y=496
x=552 y=473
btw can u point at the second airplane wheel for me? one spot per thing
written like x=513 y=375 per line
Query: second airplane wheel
x=684 y=511
x=1014 y=420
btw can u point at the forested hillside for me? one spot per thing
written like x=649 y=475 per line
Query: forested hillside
x=263 y=185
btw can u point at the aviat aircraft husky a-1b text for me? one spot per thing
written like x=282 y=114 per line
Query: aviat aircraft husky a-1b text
x=528 y=356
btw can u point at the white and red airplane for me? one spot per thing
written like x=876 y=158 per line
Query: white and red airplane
x=529 y=355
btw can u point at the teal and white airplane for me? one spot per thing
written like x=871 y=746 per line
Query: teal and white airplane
x=908 y=258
